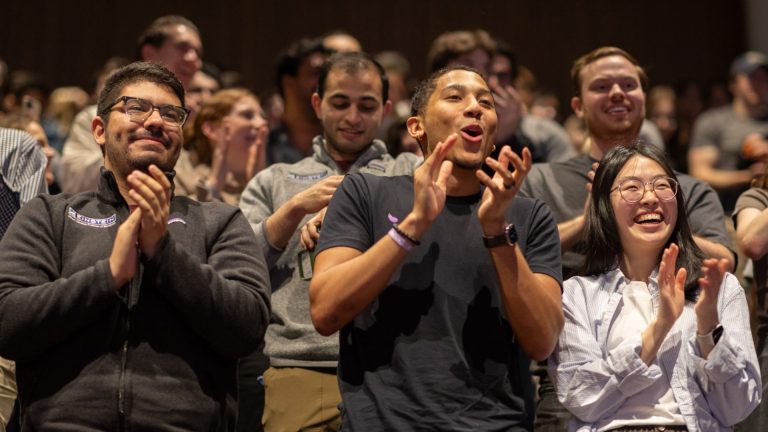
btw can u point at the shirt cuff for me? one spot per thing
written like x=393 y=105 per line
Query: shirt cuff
x=632 y=374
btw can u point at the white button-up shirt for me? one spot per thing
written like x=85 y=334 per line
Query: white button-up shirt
x=593 y=381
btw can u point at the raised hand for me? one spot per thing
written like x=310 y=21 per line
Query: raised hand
x=504 y=185
x=257 y=154
x=671 y=302
x=588 y=186
x=713 y=271
x=317 y=197
x=217 y=177
x=509 y=109
x=671 y=287
x=429 y=182
x=123 y=261
x=152 y=194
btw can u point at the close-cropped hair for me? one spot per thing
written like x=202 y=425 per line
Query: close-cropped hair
x=160 y=30
x=451 y=45
x=212 y=111
x=603 y=244
x=597 y=54
x=425 y=88
x=133 y=73
x=288 y=61
x=352 y=63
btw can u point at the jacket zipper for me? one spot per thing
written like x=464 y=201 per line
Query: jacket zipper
x=121 y=389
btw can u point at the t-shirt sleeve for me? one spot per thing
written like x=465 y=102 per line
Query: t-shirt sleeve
x=756 y=198
x=706 y=215
x=705 y=130
x=542 y=247
x=347 y=221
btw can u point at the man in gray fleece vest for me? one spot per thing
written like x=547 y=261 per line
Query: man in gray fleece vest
x=351 y=100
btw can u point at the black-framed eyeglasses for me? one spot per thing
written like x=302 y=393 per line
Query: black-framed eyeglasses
x=632 y=190
x=139 y=110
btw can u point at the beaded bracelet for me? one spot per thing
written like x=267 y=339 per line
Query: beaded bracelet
x=402 y=233
x=401 y=241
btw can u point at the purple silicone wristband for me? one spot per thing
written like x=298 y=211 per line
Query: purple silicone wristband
x=400 y=240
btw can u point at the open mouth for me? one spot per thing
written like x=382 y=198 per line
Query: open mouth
x=649 y=219
x=618 y=110
x=472 y=133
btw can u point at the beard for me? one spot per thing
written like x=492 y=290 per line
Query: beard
x=472 y=166
x=143 y=163
x=123 y=163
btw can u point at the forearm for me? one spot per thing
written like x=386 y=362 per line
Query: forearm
x=652 y=338
x=36 y=318
x=752 y=233
x=532 y=302
x=722 y=179
x=715 y=250
x=346 y=281
x=592 y=384
x=730 y=377
x=571 y=232
x=280 y=227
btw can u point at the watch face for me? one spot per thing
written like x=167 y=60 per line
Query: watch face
x=717 y=333
x=511 y=234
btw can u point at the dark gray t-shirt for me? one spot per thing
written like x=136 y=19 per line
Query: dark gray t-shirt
x=562 y=186
x=435 y=351
x=723 y=129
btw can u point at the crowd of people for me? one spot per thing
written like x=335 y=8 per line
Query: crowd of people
x=358 y=250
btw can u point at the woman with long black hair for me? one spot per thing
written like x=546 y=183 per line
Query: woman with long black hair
x=656 y=337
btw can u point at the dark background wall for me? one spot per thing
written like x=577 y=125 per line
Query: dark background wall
x=686 y=39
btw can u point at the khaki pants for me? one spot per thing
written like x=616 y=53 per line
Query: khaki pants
x=299 y=399
x=7 y=390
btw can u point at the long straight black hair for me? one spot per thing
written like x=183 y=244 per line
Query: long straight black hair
x=604 y=249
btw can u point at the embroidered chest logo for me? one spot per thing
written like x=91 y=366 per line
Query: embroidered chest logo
x=307 y=178
x=377 y=166
x=89 y=221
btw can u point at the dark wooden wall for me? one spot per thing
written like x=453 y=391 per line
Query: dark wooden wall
x=684 y=39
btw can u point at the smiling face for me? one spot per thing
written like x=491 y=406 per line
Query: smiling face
x=644 y=226
x=129 y=145
x=612 y=100
x=244 y=124
x=350 y=111
x=181 y=53
x=461 y=103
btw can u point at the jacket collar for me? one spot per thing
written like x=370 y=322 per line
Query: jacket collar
x=375 y=150
x=110 y=193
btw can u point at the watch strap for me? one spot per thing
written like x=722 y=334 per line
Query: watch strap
x=508 y=237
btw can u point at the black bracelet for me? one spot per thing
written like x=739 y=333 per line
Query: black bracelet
x=406 y=236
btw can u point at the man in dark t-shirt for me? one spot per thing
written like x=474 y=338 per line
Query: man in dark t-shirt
x=443 y=285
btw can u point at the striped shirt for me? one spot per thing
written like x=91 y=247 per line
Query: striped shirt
x=22 y=164
x=594 y=381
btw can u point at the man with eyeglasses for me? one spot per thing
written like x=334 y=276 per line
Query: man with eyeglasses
x=170 y=40
x=609 y=95
x=127 y=308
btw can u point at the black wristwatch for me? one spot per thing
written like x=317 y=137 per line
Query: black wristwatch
x=710 y=339
x=508 y=237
